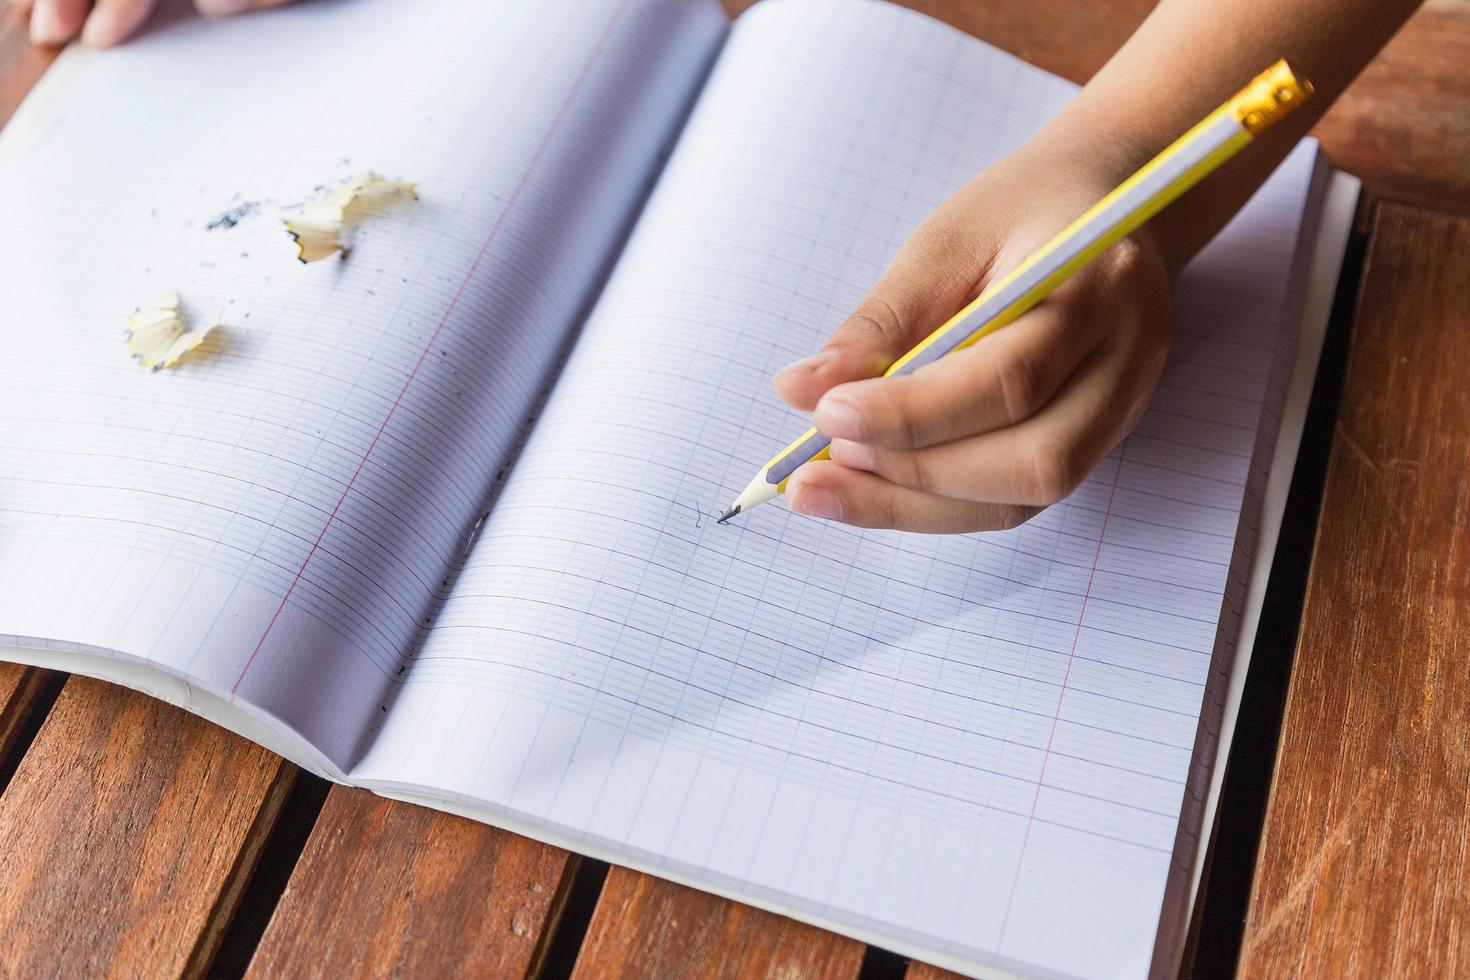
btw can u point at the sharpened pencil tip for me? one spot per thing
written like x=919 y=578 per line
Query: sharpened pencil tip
x=725 y=517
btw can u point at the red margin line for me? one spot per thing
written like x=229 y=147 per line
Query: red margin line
x=428 y=347
x=1071 y=658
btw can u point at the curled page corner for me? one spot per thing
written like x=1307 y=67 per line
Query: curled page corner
x=317 y=230
x=157 y=335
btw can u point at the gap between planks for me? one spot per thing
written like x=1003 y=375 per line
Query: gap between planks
x=126 y=835
x=1364 y=863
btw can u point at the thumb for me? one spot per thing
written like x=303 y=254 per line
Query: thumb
x=930 y=278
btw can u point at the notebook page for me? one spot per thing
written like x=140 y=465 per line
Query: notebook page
x=273 y=519
x=972 y=749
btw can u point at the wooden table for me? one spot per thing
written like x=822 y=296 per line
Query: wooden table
x=139 y=840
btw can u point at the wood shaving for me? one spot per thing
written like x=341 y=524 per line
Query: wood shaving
x=158 y=336
x=318 y=229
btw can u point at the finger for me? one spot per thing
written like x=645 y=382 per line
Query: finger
x=21 y=5
x=1038 y=462
x=1003 y=379
x=57 y=21
x=113 y=21
x=226 y=8
x=824 y=489
x=933 y=275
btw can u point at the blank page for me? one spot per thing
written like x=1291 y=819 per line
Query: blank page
x=970 y=748
x=274 y=518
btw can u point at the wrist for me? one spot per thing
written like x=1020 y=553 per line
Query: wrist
x=1090 y=162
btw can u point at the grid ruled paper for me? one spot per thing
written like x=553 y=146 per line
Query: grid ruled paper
x=974 y=746
x=274 y=519
x=974 y=749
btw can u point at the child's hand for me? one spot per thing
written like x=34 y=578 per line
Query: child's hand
x=987 y=436
x=103 y=23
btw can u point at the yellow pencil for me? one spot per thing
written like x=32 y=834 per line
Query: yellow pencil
x=1218 y=137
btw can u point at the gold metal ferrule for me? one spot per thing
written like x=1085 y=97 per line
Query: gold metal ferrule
x=1272 y=94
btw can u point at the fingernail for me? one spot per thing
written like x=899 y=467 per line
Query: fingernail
x=46 y=26
x=837 y=418
x=853 y=455
x=221 y=8
x=100 y=30
x=816 y=502
x=818 y=359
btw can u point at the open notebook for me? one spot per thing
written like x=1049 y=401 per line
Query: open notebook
x=379 y=527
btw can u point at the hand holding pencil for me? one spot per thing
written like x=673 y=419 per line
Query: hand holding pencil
x=974 y=427
x=983 y=438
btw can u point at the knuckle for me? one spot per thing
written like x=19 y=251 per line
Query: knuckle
x=999 y=517
x=1014 y=515
x=1056 y=470
x=975 y=518
x=1022 y=388
x=892 y=413
x=919 y=473
x=876 y=510
x=971 y=523
x=877 y=318
x=895 y=467
x=1130 y=261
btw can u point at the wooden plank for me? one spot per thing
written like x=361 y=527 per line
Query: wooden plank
x=1412 y=148
x=1404 y=123
x=126 y=834
x=648 y=927
x=391 y=889
x=129 y=891
x=1402 y=126
x=130 y=827
x=20 y=63
x=20 y=688
x=923 y=971
x=1364 y=867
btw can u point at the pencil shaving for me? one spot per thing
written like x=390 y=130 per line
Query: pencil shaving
x=318 y=229
x=158 y=336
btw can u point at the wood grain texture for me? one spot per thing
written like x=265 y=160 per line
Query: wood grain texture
x=129 y=825
x=923 y=971
x=126 y=835
x=391 y=889
x=1403 y=126
x=648 y=927
x=1364 y=867
x=19 y=689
